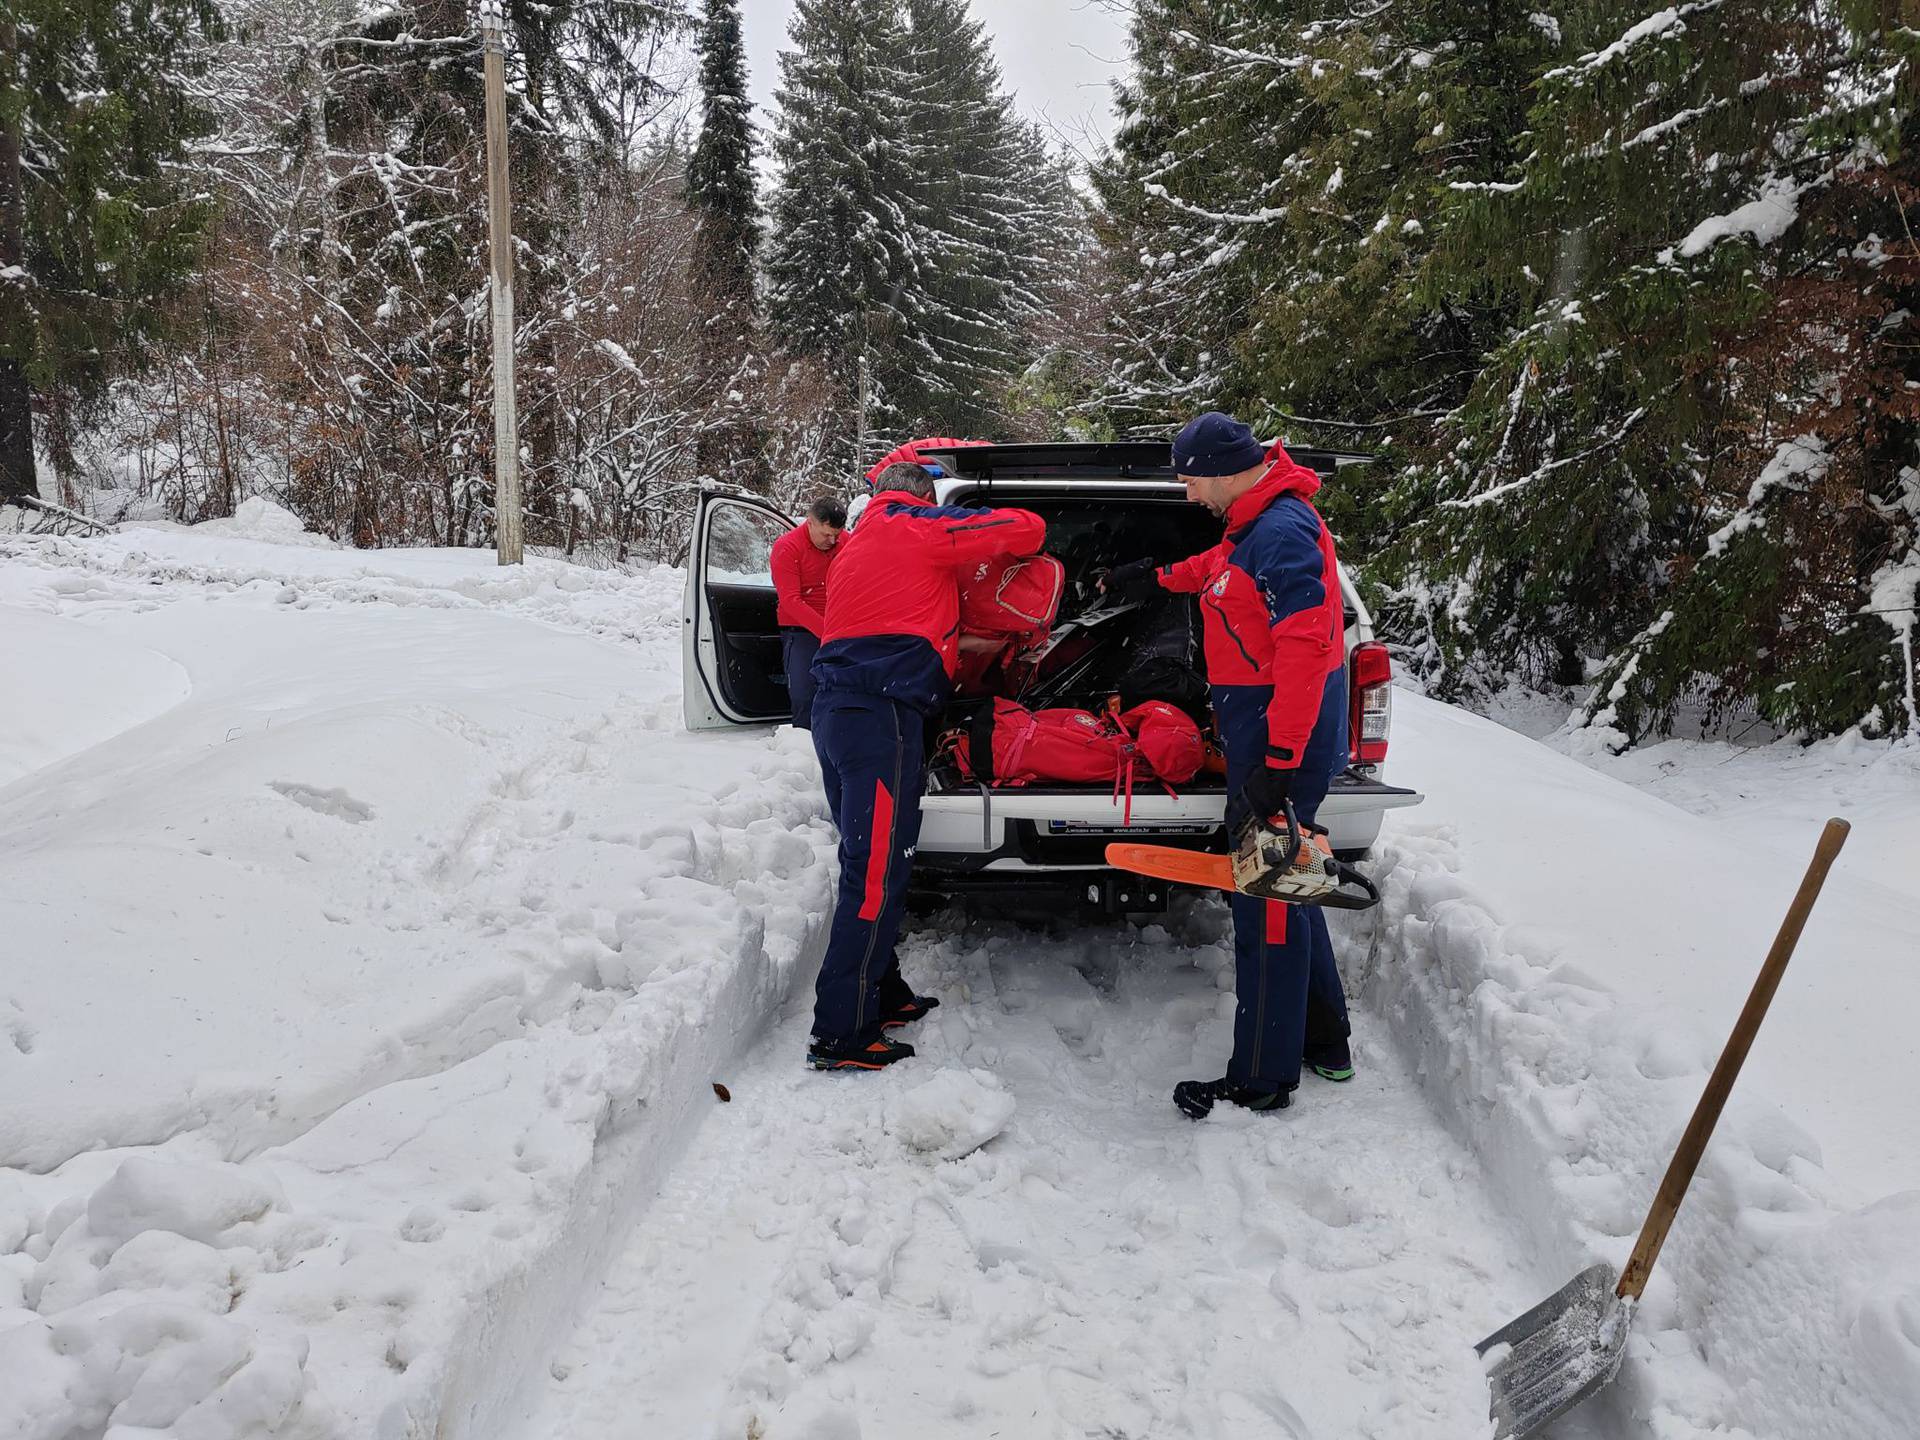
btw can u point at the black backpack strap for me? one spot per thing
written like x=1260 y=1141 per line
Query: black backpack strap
x=980 y=742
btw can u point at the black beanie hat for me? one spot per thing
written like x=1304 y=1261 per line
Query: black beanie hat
x=1216 y=444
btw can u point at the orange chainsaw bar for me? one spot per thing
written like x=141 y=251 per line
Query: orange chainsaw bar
x=1164 y=862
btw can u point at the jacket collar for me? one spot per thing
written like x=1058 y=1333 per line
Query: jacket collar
x=900 y=497
x=1284 y=477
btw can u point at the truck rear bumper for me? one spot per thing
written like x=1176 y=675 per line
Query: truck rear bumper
x=1007 y=839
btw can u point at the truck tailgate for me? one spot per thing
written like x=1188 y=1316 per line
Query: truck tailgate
x=969 y=822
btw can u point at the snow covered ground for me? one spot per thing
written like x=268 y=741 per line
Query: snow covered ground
x=371 y=932
x=1779 y=794
x=1018 y=1235
x=362 y=959
x=1564 y=955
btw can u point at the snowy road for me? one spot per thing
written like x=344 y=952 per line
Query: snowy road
x=396 y=1119
x=815 y=1270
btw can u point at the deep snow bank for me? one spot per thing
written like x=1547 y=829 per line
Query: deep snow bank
x=355 y=997
x=1565 y=956
x=69 y=687
x=1777 y=794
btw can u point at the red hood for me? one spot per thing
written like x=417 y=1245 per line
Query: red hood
x=1284 y=477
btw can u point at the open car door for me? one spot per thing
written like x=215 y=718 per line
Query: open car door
x=732 y=672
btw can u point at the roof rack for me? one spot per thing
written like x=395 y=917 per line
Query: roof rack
x=1127 y=459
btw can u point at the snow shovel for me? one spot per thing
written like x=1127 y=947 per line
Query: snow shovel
x=1571 y=1344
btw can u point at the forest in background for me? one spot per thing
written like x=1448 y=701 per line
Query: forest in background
x=254 y=255
x=1621 y=297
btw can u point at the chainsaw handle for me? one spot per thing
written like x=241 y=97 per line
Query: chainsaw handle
x=1351 y=875
x=1291 y=829
x=1693 y=1143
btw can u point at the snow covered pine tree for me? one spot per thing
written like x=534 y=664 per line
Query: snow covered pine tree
x=1689 y=458
x=721 y=194
x=914 y=222
x=97 y=227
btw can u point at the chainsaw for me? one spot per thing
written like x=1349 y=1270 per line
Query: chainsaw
x=1288 y=862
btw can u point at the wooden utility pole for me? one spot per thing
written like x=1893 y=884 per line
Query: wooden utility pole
x=507 y=527
x=16 y=397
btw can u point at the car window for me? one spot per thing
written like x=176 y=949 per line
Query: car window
x=740 y=545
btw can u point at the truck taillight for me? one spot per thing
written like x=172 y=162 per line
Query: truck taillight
x=1370 y=674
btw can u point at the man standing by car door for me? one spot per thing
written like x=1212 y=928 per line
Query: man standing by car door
x=885 y=667
x=801 y=559
x=1275 y=633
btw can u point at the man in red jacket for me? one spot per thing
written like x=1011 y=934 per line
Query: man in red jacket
x=801 y=559
x=1276 y=655
x=885 y=666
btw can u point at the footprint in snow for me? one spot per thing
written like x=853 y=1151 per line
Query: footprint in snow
x=335 y=803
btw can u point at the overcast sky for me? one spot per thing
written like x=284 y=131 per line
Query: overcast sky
x=1057 y=57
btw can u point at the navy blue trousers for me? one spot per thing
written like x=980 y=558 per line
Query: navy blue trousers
x=1286 y=983
x=797 y=647
x=872 y=758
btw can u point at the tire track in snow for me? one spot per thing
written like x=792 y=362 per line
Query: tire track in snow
x=1102 y=1267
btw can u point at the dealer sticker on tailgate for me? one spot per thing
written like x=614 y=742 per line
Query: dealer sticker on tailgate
x=1154 y=827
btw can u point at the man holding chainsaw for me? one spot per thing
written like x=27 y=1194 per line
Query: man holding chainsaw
x=886 y=663
x=1275 y=641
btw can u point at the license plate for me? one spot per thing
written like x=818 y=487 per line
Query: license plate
x=1145 y=827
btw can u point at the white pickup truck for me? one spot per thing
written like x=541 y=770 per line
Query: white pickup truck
x=1103 y=503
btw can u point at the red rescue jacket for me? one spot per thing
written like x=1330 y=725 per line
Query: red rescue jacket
x=800 y=579
x=893 y=610
x=1270 y=596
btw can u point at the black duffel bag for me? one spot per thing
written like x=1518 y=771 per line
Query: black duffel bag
x=1167 y=660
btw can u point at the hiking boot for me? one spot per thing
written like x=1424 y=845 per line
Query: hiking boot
x=1196 y=1098
x=1330 y=1062
x=914 y=1007
x=873 y=1054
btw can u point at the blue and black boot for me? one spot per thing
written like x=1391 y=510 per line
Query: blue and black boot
x=898 y=1004
x=1196 y=1098
x=871 y=1052
x=1332 y=1061
x=911 y=1008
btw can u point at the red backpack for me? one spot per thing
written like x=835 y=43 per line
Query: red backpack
x=1166 y=740
x=1014 y=599
x=1008 y=744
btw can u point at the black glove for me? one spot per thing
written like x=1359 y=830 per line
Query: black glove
x=1135 y=580
x=1267 y=790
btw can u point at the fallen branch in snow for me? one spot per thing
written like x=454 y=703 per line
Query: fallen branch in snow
x=49 y=519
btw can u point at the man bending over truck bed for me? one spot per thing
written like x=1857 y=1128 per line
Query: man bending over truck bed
x=886 y=663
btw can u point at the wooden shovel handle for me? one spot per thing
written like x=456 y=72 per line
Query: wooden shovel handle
x=1653 y=1234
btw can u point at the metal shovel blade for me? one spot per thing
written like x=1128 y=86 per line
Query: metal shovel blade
x=1557 y=1354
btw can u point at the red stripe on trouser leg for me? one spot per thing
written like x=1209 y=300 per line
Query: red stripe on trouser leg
x=1276 y=923
x=879 y=851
